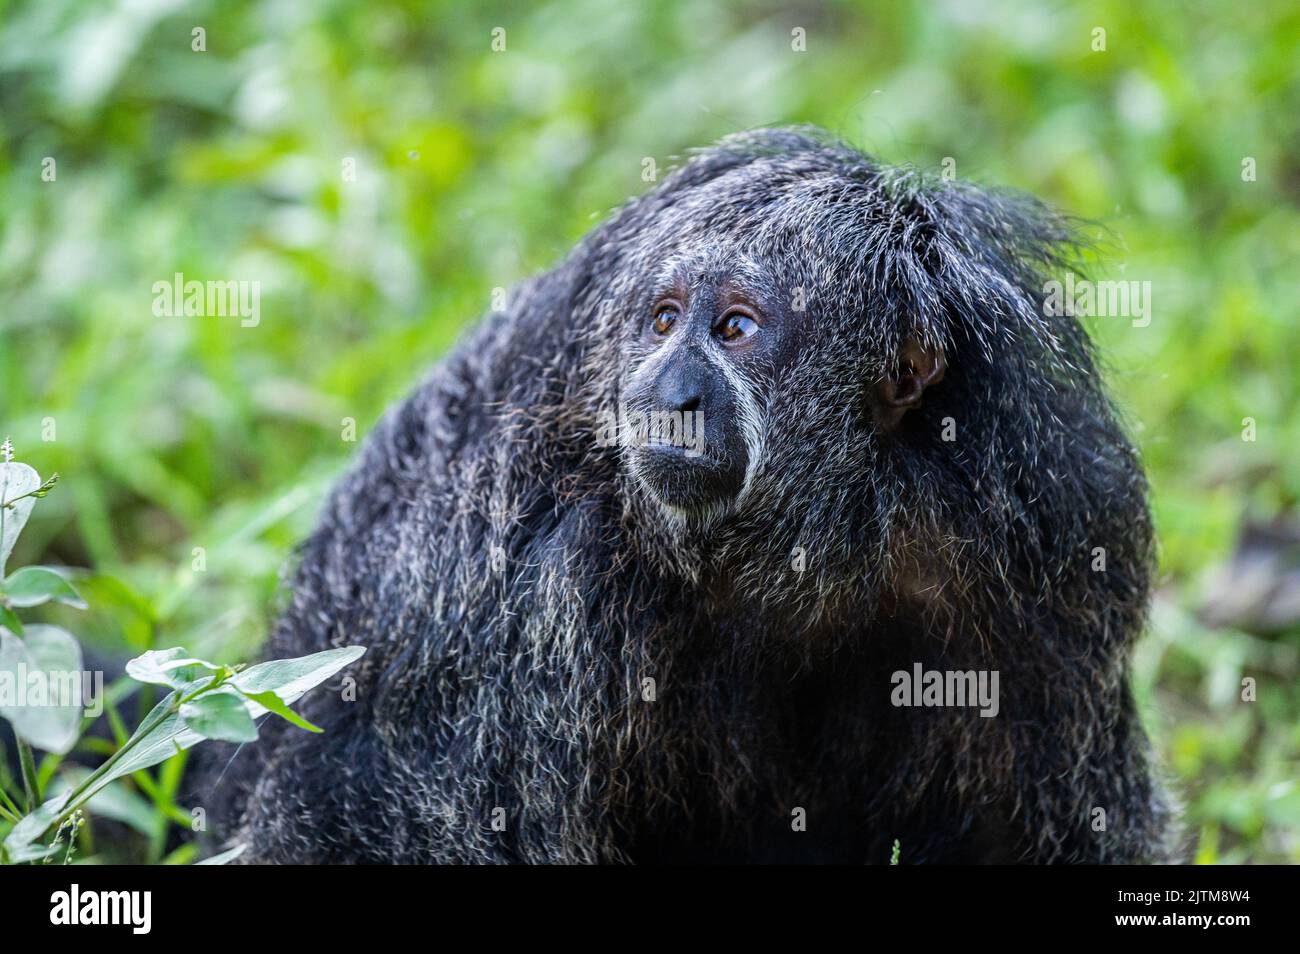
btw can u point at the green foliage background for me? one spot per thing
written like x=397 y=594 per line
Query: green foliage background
x=476 y=168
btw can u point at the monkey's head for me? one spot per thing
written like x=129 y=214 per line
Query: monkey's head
x=793 y=326
x=721 y=332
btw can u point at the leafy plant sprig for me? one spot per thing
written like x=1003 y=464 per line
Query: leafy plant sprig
x=206 y=700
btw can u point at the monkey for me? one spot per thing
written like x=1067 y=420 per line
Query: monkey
x=641 y=564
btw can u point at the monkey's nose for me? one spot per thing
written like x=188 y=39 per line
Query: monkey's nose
x=679 y=391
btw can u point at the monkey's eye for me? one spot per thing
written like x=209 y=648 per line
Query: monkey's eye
x=735 y=326
x=665 y=318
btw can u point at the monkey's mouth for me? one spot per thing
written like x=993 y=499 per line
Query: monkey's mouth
x=687 y=481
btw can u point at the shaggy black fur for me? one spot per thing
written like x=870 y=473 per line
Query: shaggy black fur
x=516 y=586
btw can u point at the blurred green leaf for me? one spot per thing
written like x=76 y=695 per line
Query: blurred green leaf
x=46 y=664
x=34 y=585
x=17 y=481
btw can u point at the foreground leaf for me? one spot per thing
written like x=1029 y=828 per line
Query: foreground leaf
x=290 y=678
x=43 y=696
x=220 y=715
x=19 y=842
x=167 y=667
x=34 y=585
x=151 y=744
x=225 y=858
x=271 y=702
x=15 y=480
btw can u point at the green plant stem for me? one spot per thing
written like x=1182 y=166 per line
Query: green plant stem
x=9 y=805
x=31 y=784
x=147 y=726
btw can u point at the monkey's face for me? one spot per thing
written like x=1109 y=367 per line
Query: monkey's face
x=708 y=337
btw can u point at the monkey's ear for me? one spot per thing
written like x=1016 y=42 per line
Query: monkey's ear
x=919 y=366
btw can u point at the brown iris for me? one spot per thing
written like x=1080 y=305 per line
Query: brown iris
x=665 y=318
x=735 y=326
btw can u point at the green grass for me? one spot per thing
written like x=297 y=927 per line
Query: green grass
x=476 y=168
